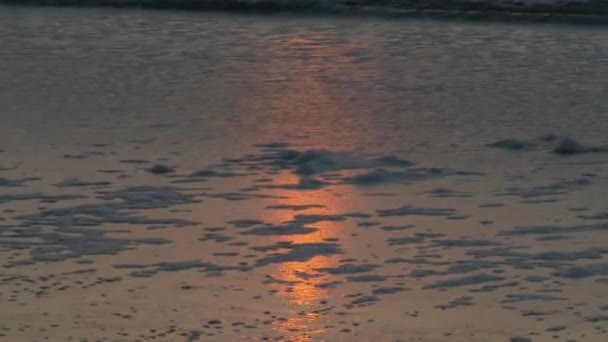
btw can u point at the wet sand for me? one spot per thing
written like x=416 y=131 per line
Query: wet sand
x=287 y=243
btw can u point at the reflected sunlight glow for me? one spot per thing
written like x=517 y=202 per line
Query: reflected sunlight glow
x=304 y=296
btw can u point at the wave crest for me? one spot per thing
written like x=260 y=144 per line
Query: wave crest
x=545 y=8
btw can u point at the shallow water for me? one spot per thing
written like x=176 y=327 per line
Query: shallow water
x=321 y=178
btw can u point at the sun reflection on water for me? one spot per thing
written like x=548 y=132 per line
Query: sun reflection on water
x=308 y=68
x=303 y=297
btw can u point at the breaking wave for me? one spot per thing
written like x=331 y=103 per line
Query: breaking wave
x=593 y=10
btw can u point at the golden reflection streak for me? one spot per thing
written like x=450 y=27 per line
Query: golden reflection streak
x=312 y=65
x=304 y=296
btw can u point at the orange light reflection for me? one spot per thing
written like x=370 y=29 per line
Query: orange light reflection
x=309 y=68
x=304 y=296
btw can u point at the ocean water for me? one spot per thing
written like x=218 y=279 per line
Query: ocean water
x=217 y=176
